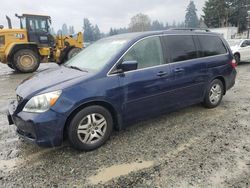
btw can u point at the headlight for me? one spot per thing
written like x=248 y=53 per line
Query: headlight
x=42 y=103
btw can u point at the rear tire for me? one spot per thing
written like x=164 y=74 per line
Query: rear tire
x=237 y=58
x=73 y=52
x=90 y=128
x=25 y=61
x=214 y=94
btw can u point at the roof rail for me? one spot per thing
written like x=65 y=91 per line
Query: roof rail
x=190 y=29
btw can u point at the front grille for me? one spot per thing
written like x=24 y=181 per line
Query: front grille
x=2 y=41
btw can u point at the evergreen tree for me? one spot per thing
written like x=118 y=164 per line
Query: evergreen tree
x=114 y=31
x=111 y=32
x=71 y=30
x=238 y=13
x=202 y=24
x=65 y=30
x=166 y=26
x=91 y=33
x=181 y=25
x=216 y=13
x=156 y=26
x=88 y=30
x=96 y=33
x=191 y=18
x=173 y=24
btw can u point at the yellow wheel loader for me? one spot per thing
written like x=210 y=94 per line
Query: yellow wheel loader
x=24 y=49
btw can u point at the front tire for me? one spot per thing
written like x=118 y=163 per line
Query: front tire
x=25 y=61
x=90 y=128
x=214 y=94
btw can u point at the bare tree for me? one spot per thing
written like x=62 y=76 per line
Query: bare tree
x=139 y=22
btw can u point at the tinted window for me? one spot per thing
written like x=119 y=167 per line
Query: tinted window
x=245 y=43
x=211 y=45
x=147 y=53
x=181 y=48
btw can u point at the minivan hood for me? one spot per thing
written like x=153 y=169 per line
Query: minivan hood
x=56 y=78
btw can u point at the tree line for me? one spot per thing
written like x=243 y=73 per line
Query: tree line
x=141 y=22
x=224 y=13
x=216 y=13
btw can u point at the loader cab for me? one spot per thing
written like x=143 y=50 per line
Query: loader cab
x=38 y=29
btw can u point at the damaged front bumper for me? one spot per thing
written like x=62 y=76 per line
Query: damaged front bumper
x=44 y=129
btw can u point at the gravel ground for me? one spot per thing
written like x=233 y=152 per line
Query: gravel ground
x=194 y=147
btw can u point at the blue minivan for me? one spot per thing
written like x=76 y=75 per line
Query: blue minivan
x=118 y=80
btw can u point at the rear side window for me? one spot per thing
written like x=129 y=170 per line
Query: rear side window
x=181 y=47
x=147 y=52
x=211 y=45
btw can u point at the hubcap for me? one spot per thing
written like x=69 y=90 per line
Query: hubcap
x=91 y=128
x=215 y=94
x=26 y=61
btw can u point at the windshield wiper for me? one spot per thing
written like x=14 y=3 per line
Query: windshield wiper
x=77 y=68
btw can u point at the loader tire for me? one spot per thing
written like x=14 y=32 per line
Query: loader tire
x=73 y=52
x=25 y=61
x=10 y=66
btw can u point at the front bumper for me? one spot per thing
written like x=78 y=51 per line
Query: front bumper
x=44 y=129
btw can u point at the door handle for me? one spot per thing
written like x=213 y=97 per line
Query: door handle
x=178 y=70
x=161 y=73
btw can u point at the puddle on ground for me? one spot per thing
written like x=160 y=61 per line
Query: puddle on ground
x=106 y=174
x=8 y=165
x=33 y=158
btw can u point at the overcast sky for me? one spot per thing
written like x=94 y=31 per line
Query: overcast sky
x=104 y=13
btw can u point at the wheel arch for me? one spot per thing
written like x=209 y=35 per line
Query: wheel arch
x=222 y=79
x=104 y=104
x=237 y=53
x=16 y=47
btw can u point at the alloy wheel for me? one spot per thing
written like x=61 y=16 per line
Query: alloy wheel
x=92 y=128
x=215 y=93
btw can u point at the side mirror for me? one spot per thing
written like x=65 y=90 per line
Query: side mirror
x=1 y=26
x=128 y=66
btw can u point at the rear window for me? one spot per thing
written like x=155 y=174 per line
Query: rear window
x=211 y=45
x=181 y=47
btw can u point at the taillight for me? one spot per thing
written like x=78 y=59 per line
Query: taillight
x=233 y=63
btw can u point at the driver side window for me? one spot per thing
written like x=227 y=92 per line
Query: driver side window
x=147 y=53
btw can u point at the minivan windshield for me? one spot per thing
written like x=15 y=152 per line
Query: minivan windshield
x=97 y=55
